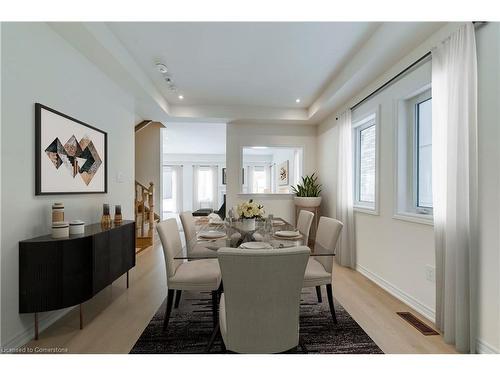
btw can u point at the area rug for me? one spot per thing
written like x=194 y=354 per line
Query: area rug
x=190 y=327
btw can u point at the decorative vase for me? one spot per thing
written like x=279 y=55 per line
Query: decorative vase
x=57 y=212
x=248 y=224
x=118 y=215
x=307 y=201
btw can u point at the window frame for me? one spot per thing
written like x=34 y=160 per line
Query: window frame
x=406 y=146
x=422 y=98
x=362 y=123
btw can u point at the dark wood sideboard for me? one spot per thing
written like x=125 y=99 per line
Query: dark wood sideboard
x=59 y=273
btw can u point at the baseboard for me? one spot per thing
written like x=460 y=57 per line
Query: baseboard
x=418 y=306
x=483 y=347
x=27 y=334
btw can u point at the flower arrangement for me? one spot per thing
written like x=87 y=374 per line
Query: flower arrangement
x=250 y=210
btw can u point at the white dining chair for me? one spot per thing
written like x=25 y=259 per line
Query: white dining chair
x=304 y=222
x=320 y=268
x=199 y=275
x=259 y=309
x=194 y=249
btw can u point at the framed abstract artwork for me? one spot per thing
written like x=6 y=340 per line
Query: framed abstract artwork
x=70 y=156
x=283 y=177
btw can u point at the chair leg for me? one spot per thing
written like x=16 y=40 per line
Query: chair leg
x=212 y=338
x=177 y=298
x=318 y=293
x=215 y=307
x=168 y=310
x=330 y=302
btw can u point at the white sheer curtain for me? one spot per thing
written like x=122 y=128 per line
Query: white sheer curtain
x=346 y=248
x=205 y=187
x=454 y=176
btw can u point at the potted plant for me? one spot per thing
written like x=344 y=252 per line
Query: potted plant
x=248 y=212
x=307 y=193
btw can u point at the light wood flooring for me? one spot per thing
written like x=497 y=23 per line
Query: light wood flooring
x=116 y=317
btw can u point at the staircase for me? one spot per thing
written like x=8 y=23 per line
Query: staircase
x=145 y=217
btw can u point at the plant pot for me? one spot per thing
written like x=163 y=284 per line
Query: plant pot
x=307 y=201
x=248 y=224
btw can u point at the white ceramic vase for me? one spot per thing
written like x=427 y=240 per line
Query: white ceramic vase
x=248 y=224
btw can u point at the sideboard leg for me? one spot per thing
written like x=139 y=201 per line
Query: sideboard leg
x=36 y=326
x=127 y=279
x=81 y=317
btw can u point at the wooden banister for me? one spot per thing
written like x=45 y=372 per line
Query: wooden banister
x=144 y=210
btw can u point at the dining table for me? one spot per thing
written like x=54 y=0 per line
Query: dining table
x=269 y=233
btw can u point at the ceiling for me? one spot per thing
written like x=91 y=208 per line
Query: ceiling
x=250 y=71
x=243 y=64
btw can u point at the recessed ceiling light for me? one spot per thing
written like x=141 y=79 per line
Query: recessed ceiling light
x=259 y=147
x=297 y=100
x=181 y=97
x=162 y=68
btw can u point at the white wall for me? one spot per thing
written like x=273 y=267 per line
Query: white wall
x=488 y=298
x=39 y=66
x=394 y=253
x=194 y=138
x=241 y=135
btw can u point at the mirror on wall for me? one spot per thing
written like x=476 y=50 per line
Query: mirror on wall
x=270 y=170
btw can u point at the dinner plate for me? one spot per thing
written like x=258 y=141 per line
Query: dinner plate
x=255 y=245
x=211 y=234
x=287 y=233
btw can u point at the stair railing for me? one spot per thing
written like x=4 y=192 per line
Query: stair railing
x=145 y=196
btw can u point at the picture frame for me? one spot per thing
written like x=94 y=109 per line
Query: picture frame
x=71 y=157
x=283 y=174
x=224 y=176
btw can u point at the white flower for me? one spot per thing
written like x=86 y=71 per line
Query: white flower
x=249 y=210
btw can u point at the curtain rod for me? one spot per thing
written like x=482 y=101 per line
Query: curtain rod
x=477 y=24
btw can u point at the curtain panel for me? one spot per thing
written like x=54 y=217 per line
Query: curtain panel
x=346 y=248
x=454 y=176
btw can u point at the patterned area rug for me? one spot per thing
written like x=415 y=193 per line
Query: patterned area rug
x=190 y=327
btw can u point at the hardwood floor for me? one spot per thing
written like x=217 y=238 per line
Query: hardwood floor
x=116 y=317
x=375 y=311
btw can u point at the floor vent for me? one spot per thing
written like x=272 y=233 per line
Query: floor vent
x=423 y=328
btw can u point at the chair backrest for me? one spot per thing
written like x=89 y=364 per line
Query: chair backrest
x=304 y=224
x=327 y=236
x=262 y=297
x=187 y=221
x=171 y=243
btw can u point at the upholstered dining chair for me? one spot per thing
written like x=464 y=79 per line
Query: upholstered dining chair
x=319 y=269
x=304 y=222
x=200 y=275
x=259 y=309
x=193 y=249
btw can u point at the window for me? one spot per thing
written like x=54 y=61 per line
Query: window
x=171 y=190
x=259 y=179
x=423 y=147
x=414 y=158
x=205 y=180
x=365 y=163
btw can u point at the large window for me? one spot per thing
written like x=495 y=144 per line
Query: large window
x=365 y=162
